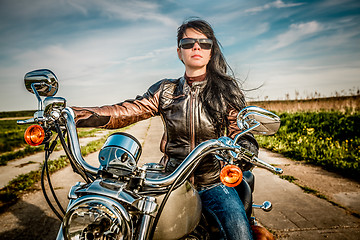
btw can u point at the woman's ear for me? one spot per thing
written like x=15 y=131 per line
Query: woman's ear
x=179 y=53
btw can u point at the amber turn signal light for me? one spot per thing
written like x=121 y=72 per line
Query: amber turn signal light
x=34 y=135
x=231 y=175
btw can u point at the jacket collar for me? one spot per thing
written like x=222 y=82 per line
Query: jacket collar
x=195 y=85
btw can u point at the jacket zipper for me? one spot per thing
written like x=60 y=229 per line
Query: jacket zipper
x=192 y=119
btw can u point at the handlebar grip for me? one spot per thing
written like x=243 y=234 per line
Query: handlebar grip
x=27 y=121
x=260 y=163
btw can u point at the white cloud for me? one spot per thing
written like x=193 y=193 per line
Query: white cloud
x=135 y=10
x=295 y=33
x=276 y=4
x=107 y=51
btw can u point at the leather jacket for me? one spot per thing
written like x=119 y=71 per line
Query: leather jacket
x=186 y=124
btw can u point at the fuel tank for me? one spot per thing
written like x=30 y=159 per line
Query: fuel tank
x=181 y=213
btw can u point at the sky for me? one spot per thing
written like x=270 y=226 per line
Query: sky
x=106 y=51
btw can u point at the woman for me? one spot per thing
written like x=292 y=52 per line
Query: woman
x=199 y=106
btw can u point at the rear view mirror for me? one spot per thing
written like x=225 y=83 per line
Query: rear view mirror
x=42 y=82
x=258 y=121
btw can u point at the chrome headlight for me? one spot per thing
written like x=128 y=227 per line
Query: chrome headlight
x=97 y=217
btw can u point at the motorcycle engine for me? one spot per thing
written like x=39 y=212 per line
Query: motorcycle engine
x=120 y=154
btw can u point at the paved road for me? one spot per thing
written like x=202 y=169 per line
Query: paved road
x=296 y=215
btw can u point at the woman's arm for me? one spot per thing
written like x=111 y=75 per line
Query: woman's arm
x=121 y=114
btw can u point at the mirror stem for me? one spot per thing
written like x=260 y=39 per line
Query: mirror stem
x=247 y=130
x=40 y=106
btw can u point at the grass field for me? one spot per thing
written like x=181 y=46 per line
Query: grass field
x=13 y=114
x=11 y=135
x=349 y=104
x=329 y=139
x=13 y=145
x=25 y=182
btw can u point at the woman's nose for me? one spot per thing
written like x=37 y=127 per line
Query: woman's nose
x=196 y=46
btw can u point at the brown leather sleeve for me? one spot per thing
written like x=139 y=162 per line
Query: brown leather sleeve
x=118 y=115
x=233 y=128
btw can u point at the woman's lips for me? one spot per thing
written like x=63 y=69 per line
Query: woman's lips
x=196 y=56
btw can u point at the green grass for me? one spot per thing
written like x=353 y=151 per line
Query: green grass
x=85 y=132
x=11 y=135
x=12 y=114
x=28 y=150
x=327 y=139
x=25 y=182
x=288 y=178
x=13 y=145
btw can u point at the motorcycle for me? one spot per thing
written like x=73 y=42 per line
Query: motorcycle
x=121 y=200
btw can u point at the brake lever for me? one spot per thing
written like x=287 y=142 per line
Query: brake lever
x=260 y=163
x=243 y=153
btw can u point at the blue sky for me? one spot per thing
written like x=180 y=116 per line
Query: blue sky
x=104 y=52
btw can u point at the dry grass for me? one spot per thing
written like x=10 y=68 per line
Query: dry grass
x=348 y=104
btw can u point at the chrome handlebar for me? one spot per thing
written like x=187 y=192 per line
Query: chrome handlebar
x=74 y=145
x=191 y=159
x=38 y=117
x=213 y=145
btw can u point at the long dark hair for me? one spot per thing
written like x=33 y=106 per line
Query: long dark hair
x=222 y=92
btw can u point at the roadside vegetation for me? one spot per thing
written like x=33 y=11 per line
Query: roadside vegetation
x=26 y=182
x=330 y=139
x=13 y=145
x=15 y=114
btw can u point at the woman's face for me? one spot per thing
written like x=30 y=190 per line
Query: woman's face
x=195 y=58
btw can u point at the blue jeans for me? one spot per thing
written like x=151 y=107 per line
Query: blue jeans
x=225 y=205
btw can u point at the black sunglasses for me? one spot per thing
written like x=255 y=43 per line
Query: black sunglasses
x=204 y=43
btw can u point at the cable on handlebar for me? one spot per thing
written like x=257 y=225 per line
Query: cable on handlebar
x=51 y=187
x=86 y=176
x=45 y=168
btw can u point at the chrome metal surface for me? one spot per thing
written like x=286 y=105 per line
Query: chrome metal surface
x=260 y=163
x=149 y=206
x=252 y=116
x=38 y=117
x=245 y=131
x=27 y=121
x=153 y=167
x=126 y=141
x=145 y=225
x=60 y=235
x=72 y=192
x=79 y=162
x=54 y=104
x=42 y=81
x=266 y=206
x=120 y=154
x=112 y=190
x=99 y=217
x=190 y=159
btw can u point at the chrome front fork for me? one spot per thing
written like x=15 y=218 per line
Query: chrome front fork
x=148 y=208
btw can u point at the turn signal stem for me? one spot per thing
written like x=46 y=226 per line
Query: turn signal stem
x=34 y=135
x=231 y=175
